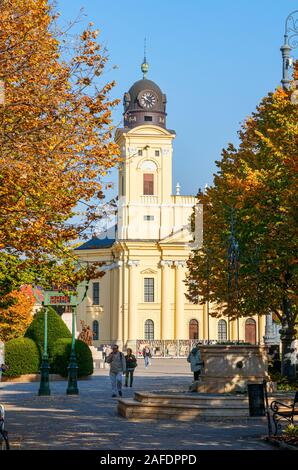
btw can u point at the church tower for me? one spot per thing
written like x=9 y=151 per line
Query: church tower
x=145 y=176
x=141 y=297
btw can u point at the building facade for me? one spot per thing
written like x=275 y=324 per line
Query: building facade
x=141 y=297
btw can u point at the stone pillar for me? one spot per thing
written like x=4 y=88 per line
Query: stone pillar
x=167 y=322
x=112 y=303
x=180 y=332
x=119 y=304
x=261 y=329
x=132 y=300
x=269 y=337
x=203 y=330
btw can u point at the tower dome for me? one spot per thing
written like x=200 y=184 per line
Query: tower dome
x=144 y=103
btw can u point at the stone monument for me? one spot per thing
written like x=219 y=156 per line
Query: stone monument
x=229 y=368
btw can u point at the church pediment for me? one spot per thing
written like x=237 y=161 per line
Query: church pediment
x=148 y=271
x=151 y=130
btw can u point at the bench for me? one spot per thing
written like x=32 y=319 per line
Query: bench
x=282 y=411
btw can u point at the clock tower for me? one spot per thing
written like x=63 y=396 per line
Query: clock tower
x=146 y=209
x=144 y=103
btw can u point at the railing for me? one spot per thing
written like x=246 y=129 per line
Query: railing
x=175 y=348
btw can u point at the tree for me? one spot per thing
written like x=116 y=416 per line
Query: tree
x=15 y=319
x=256 y=185
x=55 y=139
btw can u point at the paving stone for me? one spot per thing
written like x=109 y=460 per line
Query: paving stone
x=90 y=420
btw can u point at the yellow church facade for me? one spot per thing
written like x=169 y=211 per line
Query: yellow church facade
x=141 y=296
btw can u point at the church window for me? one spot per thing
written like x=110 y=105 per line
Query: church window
x=95 y=329
x=222 y=330
x=250 y=331
x=148 y=217
x=149 y=289
x=147 y=118
x=157 y=153
x=95 y=293
x=193 y=329
x=149 y=329
x=148 y=183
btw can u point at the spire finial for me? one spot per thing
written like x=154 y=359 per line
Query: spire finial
x=145 y=65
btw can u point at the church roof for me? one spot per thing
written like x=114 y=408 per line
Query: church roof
x=97 y=243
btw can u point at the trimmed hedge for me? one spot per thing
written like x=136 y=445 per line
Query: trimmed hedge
x=22 y=356
x=56 y=329
x=61 y=354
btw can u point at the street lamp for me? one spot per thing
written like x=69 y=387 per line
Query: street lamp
x=233 y=270
x=72 y=387
x=44 y=388
x=290 y=42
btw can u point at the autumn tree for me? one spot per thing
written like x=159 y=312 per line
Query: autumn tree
x=55 y=140
x=15 y=319
x=255 y=194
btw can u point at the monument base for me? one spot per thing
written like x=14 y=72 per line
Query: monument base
x=229 y=368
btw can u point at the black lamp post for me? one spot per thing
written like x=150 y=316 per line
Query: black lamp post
x=290 y=42
x=72 y=388
x=233 y=270
x=44 y=387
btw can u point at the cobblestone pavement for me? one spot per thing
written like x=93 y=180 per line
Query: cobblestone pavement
x=90 y=420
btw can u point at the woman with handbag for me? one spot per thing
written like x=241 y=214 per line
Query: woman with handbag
x=131 y=364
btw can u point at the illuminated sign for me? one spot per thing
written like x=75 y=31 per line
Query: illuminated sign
x=59 y=298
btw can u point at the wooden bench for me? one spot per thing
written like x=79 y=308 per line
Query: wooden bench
x=282 y=411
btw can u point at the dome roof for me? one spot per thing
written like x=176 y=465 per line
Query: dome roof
x=135 y=113
x=143 y=84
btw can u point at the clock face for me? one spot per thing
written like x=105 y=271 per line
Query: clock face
x=147 y=99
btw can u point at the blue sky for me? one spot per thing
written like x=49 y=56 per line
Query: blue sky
x=215 y=60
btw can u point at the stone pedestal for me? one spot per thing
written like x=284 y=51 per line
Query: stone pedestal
x=228 y=368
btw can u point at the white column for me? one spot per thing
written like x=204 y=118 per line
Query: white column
x=180 y=330
x=167 y=322
x=132 y=300
x=119 y=303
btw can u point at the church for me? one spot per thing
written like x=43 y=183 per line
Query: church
x=141 y=297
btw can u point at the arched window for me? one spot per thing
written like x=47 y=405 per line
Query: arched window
x=222 y=330
x=250 y=331
x=193 y=329
x=95 y=329
x=149 y=329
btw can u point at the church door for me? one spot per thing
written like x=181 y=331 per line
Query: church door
x=250 y=331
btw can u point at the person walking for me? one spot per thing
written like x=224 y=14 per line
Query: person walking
x=195 y=360
x=131 y=364
x=104 y=352
x=146 y=356
x=117 y=363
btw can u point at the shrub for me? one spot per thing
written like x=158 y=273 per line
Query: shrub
x=61 y=354
x=56 y=329
x=22 y=356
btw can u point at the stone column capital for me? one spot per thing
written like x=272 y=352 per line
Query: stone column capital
x=166 y=263
x=133 y=263
x=180 y=264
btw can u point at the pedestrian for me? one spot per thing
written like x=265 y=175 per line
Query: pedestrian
x=147 y=355
x=117 y=363
x=131 y=364
x=3 y=368
x=104 y=352
x=195 y=360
